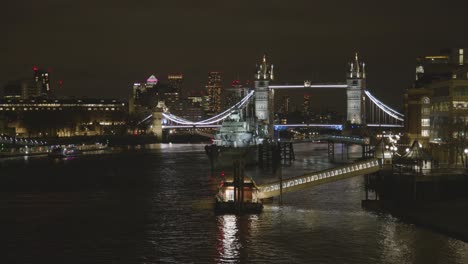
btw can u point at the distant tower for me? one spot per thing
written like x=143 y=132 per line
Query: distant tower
x=285 y=104
x=264 y=97
x=42 y=83
x=175 y=83
x=356 y=81
x=213 y=89
x=156 y=127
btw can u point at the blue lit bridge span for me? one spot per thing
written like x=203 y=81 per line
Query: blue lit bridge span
x=378 y=114
x=363 y=108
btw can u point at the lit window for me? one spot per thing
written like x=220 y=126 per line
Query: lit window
x=425 y=122
x=460 y=58
x=425 y=133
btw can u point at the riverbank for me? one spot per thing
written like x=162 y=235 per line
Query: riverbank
x=435 y=201
x=111 y=140
x=447 y=217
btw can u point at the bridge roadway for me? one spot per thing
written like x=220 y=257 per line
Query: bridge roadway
x=319 y=177
x=333 y=138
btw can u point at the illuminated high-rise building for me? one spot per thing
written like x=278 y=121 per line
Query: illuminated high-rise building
x=175 y=83
x=42 y=83
x=306 y=105
x=30 y=88
x=284 y=106
x=213 y=89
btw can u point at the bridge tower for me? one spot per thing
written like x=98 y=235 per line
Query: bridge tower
x=156 y=126
x=264 y=98
x=356 y=81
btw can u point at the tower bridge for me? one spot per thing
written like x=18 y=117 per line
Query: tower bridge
x=362 y=107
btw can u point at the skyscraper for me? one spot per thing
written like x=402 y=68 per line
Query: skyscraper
x=175 y=83
x=213 y=89
x=42 y=83
x=306 y=107
x=284 y=106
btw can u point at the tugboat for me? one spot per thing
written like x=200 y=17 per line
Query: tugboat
x=64 y=152
x=237 y=195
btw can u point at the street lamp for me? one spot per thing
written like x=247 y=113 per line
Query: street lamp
x=466 y=155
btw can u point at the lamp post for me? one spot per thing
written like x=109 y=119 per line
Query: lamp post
x=466 y=155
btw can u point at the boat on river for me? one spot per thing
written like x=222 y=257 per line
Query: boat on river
x=236 y=139
x=237 y=196
x=64 y=151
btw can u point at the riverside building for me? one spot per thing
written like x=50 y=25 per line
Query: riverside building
x=436 y=107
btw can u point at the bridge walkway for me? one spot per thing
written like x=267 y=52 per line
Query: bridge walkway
x=319 y=177
x=333 y=138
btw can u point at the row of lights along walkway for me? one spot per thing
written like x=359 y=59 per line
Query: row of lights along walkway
x=319 y=177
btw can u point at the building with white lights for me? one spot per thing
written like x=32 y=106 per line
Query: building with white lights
x=175 y=82
x=29 y=88
x=64 y=117
x=436 y=108
x=213 y=89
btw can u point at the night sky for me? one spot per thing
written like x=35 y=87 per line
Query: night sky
x=100 y=48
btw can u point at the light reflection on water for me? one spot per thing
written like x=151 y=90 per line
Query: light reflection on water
x=228 y=238
x=152 y=204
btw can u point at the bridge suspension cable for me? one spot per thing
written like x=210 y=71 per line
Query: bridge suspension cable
x=389 y=111
x=214 y=119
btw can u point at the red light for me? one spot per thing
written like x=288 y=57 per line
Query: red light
x=60 y=82
x=35 y=68
x=222 y=173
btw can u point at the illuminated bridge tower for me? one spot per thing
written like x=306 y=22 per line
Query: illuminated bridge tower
x=156 y=127
x=356 y=81
x=264 y=98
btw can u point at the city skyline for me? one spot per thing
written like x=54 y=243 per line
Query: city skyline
x=100 y=50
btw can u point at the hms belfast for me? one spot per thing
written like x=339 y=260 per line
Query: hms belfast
x=246 y=128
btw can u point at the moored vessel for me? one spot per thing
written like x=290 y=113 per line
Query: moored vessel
x=236 y=139
x=64 y=151
x=237 y=195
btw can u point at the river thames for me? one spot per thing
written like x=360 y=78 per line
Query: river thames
x=153 y=204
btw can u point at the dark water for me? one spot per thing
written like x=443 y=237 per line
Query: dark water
x=153 y=205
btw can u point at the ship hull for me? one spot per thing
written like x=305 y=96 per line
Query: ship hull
x=226 y=156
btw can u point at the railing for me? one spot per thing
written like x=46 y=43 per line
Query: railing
x=319 y=177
